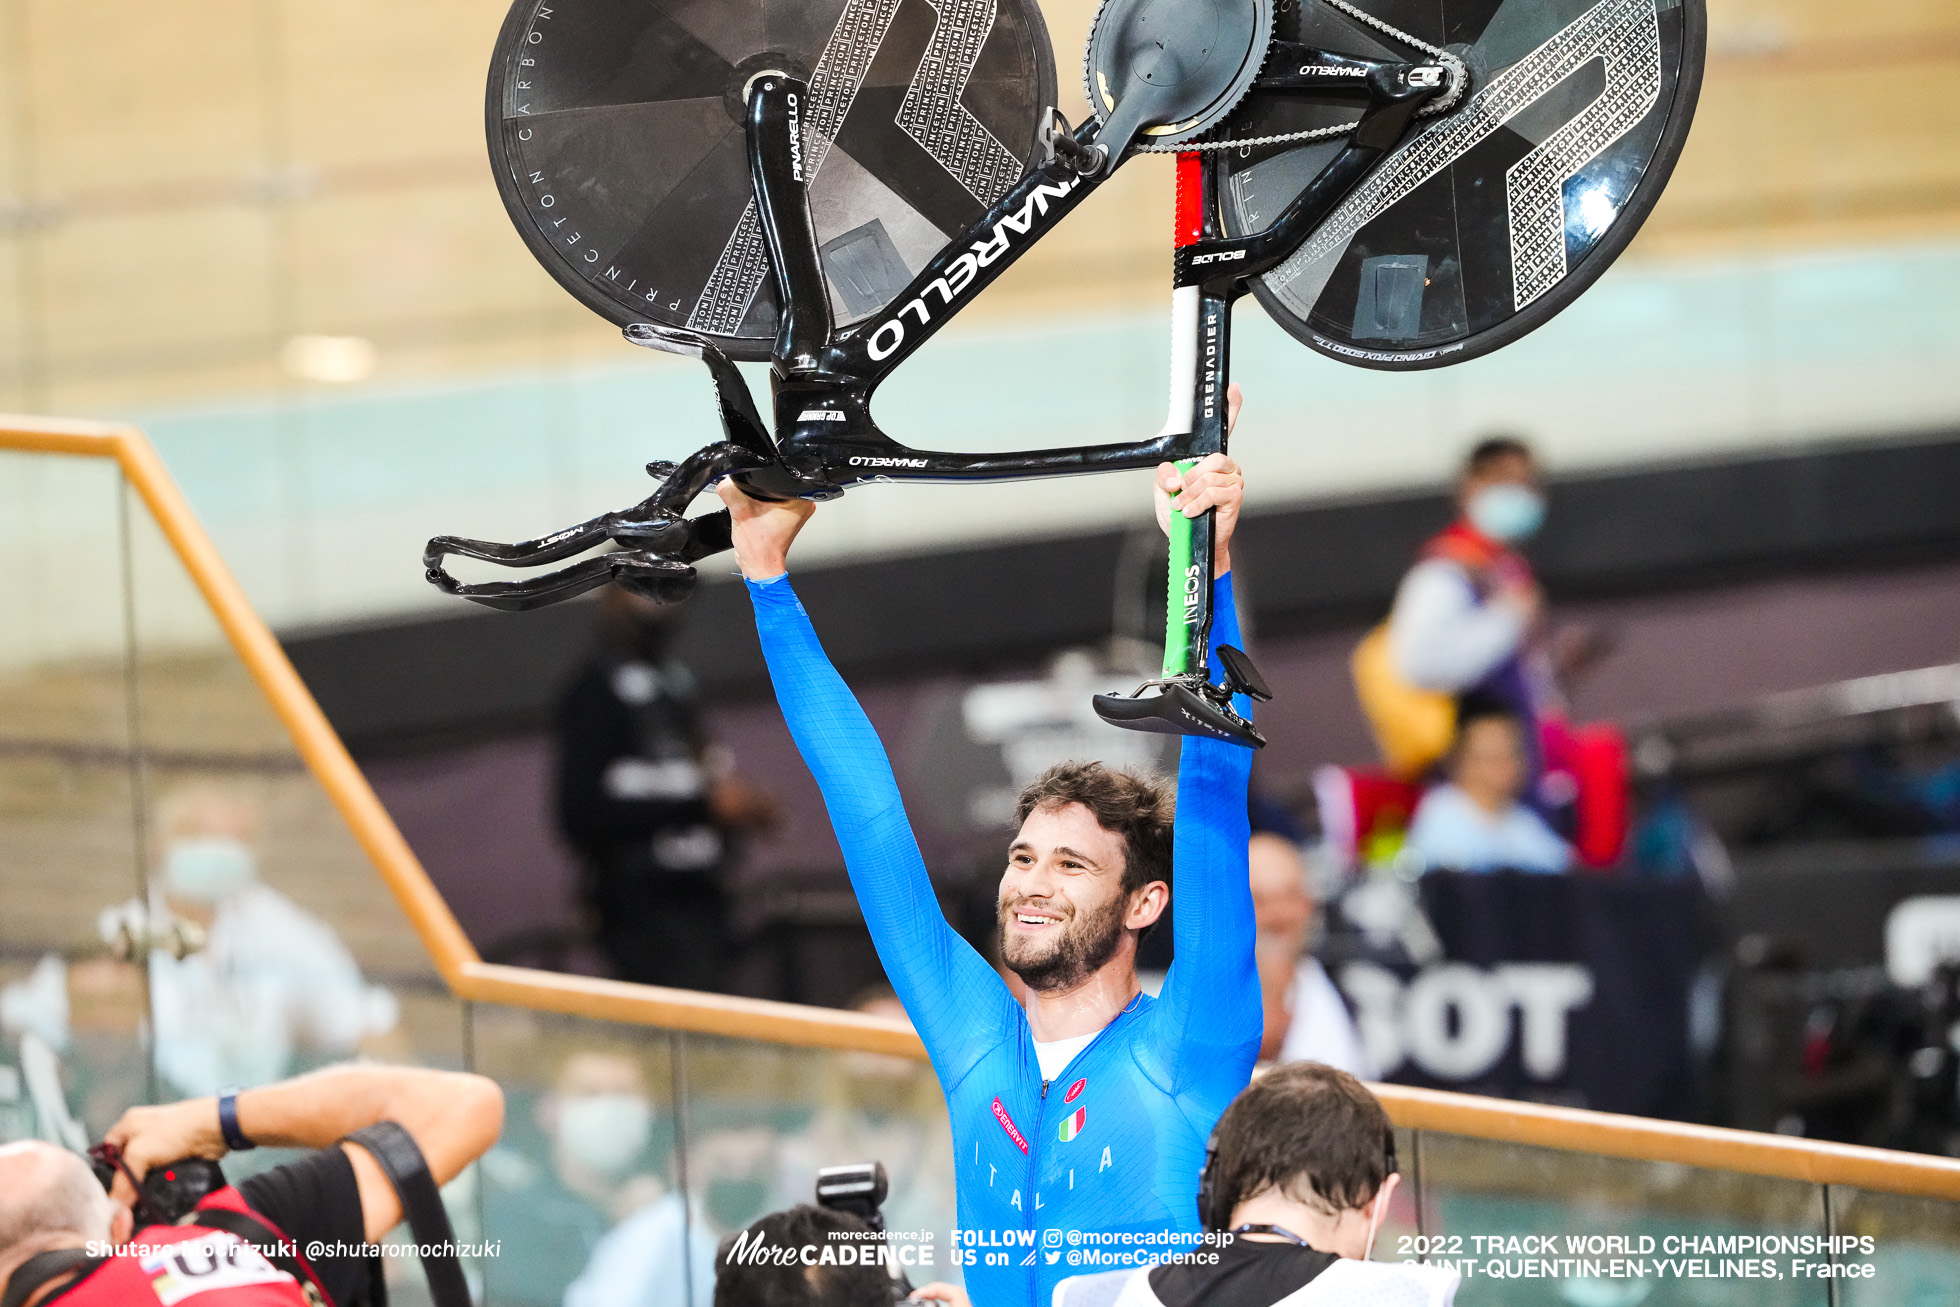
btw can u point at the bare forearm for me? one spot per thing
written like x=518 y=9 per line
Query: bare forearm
x=454 y=1117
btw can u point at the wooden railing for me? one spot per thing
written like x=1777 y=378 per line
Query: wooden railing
x=472 y=979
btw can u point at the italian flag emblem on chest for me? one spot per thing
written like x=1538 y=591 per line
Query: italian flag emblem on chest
x=1072 y=1126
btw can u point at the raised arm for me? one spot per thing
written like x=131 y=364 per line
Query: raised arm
x=1209 y=1007
x=959 y=1006
x=1210 y=999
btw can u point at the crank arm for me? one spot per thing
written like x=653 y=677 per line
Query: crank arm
x=1291 y=66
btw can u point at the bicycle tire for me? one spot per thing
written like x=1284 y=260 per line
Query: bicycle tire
x=1445 y=251
x=615 y=134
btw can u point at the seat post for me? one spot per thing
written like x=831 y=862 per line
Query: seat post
x=779 y=170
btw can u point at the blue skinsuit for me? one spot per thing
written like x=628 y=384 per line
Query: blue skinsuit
x=1150 y=1086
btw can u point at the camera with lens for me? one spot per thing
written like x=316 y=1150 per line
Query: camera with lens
x=168 y=1192
x=860 y=1190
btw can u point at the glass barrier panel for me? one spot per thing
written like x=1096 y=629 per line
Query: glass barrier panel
x=1530 y=1226
x=305 y=957
x=281 y=948
x=72 y=1015
x=1404 y=1209
x=760 y=1119
x=582 y=1198
x=1913 y=1257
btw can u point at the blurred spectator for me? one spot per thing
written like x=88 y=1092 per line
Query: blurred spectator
x=882 y=1107
x=245 y=985
x=1306 y=1018
x=1474 y=821
x=1464 y=612
x=597 y=1122
x=89 y=1016
x=647 y=802
x=1463 y=616
x=1302 y=1170
x=1469 y=618
x=271 y=982
x=639 y=1264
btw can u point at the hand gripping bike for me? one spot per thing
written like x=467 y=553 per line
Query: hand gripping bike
x=825 y=183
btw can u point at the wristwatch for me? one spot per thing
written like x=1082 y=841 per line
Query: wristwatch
x=235 y=1139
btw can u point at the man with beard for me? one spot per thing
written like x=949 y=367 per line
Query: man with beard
x=1079 y=1121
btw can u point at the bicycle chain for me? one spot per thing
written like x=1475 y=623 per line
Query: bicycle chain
x=1459 y=78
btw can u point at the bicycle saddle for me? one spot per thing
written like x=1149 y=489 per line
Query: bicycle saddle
x=1189 y=705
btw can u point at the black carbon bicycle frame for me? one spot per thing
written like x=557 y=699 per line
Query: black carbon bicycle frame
x=824 y=439
x=823 y=378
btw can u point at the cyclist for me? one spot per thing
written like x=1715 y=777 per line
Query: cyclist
x=1078 y=1121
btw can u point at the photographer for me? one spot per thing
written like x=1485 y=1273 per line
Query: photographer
x=56 y=1222
x=1301 y=1172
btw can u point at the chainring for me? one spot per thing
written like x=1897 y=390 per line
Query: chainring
x=615 y=132
x=1208 y=52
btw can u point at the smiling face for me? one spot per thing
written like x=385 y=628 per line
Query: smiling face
x=1063 y=910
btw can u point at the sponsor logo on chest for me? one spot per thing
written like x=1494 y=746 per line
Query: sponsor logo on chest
x=1007 y=1124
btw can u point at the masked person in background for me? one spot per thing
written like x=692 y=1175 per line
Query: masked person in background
x=1466 y=613
x=639 y=1262
x=647 y=801
x=554 y=1203
x=1469 y=618
x=879 y=1107
x=261 y=984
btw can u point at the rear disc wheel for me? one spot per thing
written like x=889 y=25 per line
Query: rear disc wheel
x=1490 y=218
x=615 y=132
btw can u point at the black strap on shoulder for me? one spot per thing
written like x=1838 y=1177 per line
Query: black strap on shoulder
x=428 y=1220
x=264 y=1238
x=34 y=1274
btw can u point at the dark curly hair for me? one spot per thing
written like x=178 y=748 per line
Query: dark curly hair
x=1142 y=809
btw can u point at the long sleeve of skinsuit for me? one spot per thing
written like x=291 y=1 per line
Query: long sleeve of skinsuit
x=938 y=977
x=1115 y=1148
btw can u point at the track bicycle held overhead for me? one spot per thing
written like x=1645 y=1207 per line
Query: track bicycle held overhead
x=1402 y=184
